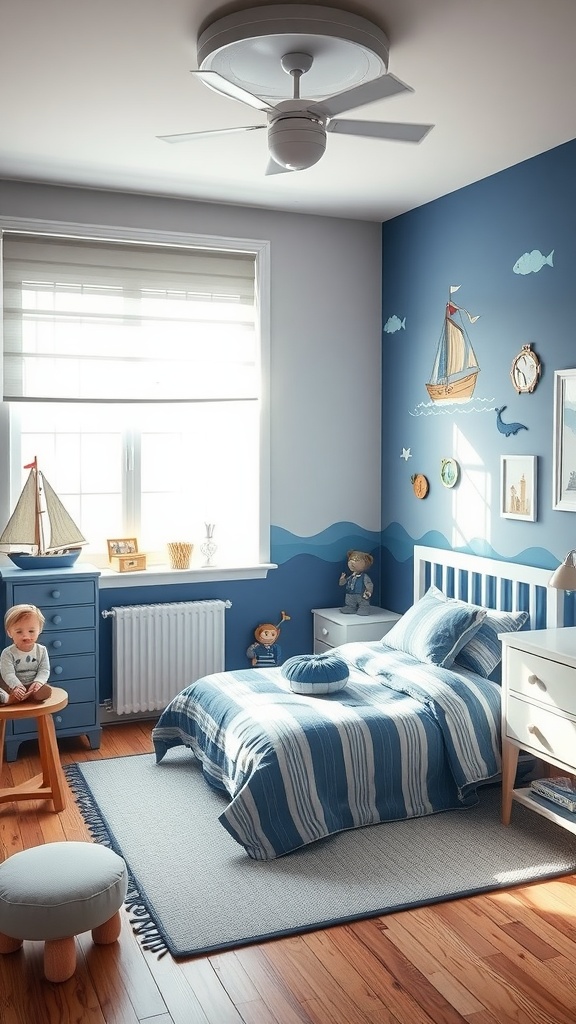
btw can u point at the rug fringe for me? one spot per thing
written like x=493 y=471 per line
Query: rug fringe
x=143 y=922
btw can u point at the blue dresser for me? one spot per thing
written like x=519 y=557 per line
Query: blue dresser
x=69 y=600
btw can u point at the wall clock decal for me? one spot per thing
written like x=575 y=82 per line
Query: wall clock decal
x=526 y=369
x=449 y=472
x=420 y=485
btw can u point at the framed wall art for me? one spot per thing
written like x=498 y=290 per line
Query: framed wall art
x=518 y=487
x=564 y=466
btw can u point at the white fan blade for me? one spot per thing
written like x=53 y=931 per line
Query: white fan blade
x=275 y=168
x=219 y=84
x=377 y=89
x=189 y=136
x=381 y=130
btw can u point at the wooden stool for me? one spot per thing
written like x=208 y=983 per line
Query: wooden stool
x=50 y=785
x=57 y=891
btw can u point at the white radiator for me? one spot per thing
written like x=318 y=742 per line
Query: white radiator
x=158 y=649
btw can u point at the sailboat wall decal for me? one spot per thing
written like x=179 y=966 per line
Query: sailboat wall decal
x=40 y=533
x=455 y=368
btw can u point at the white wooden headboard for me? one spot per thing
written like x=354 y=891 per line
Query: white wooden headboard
x=505 y=586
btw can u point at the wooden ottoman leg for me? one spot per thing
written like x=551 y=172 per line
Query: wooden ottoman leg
x=59 y=958
x=109 y=931
x=8 y=944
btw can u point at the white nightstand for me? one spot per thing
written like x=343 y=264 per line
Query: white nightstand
x=332 y=627
x=538 y=712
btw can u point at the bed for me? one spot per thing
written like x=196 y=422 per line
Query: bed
x=414 y=731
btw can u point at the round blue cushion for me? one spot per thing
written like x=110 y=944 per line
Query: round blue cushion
x=314 y=674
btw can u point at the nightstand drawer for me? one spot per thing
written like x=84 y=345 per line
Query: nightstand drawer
x=541 y=731
x=538 y=679
x=332 y=627
x=320 y=647
x=330 y=633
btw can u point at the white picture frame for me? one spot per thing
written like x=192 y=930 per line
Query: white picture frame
x=518 y=487
x=564 y=463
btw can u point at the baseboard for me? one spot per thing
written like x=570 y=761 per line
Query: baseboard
x=110 y=717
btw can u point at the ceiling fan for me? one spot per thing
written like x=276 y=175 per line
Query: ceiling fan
x=297 y=128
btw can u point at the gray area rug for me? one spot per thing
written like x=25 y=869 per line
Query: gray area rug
x=194 y=890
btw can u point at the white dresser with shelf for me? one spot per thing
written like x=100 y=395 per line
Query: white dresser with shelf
x=332 y=627
x=538 y=713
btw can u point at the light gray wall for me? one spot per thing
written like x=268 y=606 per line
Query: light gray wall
x=325 y=339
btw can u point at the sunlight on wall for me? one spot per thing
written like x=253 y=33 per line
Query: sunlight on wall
x=472 y=498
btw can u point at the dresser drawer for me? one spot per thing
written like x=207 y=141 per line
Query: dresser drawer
x=48 y=594
x=541 y=730
x=73 y=716
x=78 y=666
x=81 y=690
x=81 y=616
x=539 y=679
x=76 y=641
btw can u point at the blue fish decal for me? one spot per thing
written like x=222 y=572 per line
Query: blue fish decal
x=394 y=323
x=532 y=262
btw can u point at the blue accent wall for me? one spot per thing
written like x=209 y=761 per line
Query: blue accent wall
x=474 y=238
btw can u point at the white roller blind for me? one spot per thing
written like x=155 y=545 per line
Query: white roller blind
x=89 y=320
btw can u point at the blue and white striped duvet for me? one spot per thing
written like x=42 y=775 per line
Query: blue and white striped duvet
x=403 y=739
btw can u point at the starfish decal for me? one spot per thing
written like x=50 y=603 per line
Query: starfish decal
x=406 y=454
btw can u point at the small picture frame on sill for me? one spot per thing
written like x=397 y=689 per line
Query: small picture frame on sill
x=122 y=546
x=124 y=556
x=518 y=487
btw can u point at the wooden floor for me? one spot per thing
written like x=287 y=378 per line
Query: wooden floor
x=505 y=957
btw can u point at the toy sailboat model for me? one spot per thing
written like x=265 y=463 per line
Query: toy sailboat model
x=455 y=369
x=40 y=533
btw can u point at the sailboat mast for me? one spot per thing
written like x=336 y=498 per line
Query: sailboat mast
x=38 y=524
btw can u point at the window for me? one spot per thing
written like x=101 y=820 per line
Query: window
x=136 y=372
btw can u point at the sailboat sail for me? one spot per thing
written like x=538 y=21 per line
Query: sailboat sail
x=63 y=530
x=40 y=524
x=455 y=368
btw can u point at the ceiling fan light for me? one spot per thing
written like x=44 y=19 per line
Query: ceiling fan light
x=296 y=142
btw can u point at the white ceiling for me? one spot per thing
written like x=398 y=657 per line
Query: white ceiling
x=87 y=85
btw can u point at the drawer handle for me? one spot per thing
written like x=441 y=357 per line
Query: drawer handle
x=535 y=680
x=58 y=670
x=56 y=644
x=324 y=631
x=58 y=718
x=55 y=594
x=56 y=619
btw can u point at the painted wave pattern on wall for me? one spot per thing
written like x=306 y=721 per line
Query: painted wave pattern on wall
x=330 y=544
x=400 y=545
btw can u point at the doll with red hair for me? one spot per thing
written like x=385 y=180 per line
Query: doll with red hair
x=266 y=652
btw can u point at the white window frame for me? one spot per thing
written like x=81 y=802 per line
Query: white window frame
x=261 y=249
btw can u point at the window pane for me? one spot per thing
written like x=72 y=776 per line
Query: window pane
x=200 y=464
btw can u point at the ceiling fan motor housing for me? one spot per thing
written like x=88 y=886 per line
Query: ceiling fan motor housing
x=296 y=142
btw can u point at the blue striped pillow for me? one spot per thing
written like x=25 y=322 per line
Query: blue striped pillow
x=483 y=653
x=436 y=628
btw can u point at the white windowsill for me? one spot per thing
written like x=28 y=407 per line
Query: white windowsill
x=162 y=575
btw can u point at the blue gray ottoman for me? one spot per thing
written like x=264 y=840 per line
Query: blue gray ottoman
x=57 y=891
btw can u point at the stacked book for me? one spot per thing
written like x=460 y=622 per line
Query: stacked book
x=560 y=791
